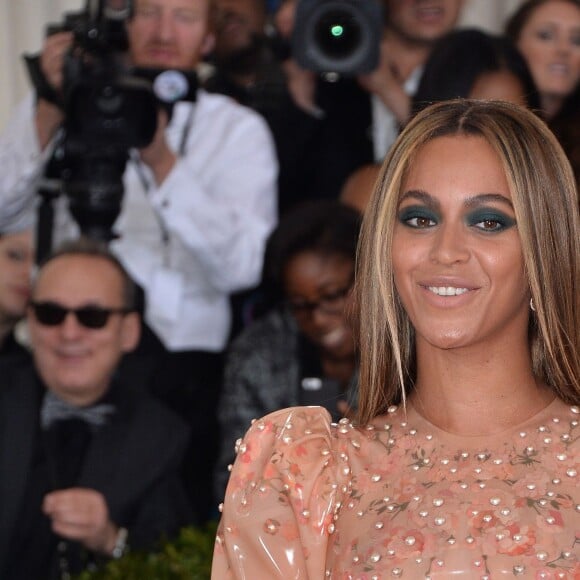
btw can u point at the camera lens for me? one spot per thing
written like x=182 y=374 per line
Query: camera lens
x=337 y=34
x=109 y=100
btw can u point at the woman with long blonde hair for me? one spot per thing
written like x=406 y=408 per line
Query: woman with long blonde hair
x=465 y=458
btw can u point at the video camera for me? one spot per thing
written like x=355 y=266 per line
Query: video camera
x=109 y=108
x=338 y=36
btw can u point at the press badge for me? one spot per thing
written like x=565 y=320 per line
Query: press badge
x=166 y=295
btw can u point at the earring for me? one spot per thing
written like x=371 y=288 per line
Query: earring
x=532 y=305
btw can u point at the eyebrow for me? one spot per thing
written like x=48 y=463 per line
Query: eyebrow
x=472 y=201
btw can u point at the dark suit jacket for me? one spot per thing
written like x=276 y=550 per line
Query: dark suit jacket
x=134 y=461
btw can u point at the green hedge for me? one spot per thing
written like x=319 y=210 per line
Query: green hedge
x=188 y=557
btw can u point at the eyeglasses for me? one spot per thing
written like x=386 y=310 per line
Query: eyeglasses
x=332 y=303
x=53 y=314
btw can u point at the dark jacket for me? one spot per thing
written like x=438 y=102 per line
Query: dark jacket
x=133 y=461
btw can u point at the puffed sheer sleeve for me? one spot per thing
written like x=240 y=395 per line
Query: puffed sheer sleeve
x=283 y=492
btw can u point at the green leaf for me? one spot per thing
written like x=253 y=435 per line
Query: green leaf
x=187 y=557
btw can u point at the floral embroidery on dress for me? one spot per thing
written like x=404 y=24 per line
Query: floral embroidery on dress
x=399 y=498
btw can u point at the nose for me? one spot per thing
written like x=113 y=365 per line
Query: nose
x=563 y=45
x=26 y=270
x=449 y=245
x=70 y=328
x=165 y=26
x=322 y=320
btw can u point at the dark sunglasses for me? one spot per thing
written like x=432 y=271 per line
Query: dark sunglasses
x=53 y=314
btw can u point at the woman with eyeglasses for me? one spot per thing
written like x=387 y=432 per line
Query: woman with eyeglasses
x=464 y=460
x=16 y=259
x=302 y=352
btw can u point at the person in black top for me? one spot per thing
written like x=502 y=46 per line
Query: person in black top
x=302 y=351
x=316 y=152
x=89 y=463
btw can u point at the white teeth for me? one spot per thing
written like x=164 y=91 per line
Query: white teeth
x=334 y=337
x=447 y=290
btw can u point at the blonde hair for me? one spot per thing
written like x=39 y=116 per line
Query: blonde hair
x=546 y=208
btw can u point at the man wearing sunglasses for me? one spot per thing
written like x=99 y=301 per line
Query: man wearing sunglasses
x=88 y=463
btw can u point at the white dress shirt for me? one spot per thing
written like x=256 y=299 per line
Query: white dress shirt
x=386 y=128
x=197 y=237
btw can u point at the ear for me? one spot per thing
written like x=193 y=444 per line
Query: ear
x=130 y=332
x=208 y=44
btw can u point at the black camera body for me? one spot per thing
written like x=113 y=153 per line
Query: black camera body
x=109 y=108
x=338 y=36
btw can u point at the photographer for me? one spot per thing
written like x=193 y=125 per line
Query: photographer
x=383 y=98
x=198 y=205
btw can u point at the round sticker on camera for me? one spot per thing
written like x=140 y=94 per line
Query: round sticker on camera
x=170 y=86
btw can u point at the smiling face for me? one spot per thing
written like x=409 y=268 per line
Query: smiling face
x=422 y=21
x=74 y=361
x=550 y=42
x=16 y=258
x=169 y=33
x=457 y=257
x=311 y=278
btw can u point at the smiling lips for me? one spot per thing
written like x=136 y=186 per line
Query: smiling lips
x=559 y=69
x=429 y=13
x=161 y=53
x=71 y=355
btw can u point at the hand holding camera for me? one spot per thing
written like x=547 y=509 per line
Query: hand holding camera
x=56 y=46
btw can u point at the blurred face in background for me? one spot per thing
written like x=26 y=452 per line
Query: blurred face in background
x=170 y=33
x=238 y=23
x=422 y=21
x=499 y=86
x=16 y=259
x=77 y=361
x=317 y=289
x=550 y=42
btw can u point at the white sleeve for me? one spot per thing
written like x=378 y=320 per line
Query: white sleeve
x=22 y=164
x=223 y=211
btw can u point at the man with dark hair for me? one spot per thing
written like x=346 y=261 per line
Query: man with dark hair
x=240 y=52
x=245 y=65
x=411 y=29
x=88 y=463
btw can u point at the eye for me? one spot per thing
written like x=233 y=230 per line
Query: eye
x=489 y=225
x=491 y=221
x=545 y=35
x=417 y=217
x=16 y=255
x=186 y=16
x=420 y=222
